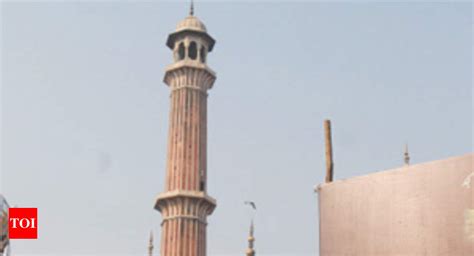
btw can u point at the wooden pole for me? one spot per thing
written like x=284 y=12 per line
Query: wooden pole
x=329 y=160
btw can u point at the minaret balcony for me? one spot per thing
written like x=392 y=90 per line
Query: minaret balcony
x=199 y=196
x=189 y=73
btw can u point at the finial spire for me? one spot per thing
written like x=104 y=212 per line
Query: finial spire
x=191 y=9
x=251 y=240
x=150 y=244
x=329 y=158
x=251 y=228
x=250 y=251
x=406 y=155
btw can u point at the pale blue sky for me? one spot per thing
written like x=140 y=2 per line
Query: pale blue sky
x=85 y=112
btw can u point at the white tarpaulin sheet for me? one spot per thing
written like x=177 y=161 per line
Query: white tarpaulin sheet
x=422 y=209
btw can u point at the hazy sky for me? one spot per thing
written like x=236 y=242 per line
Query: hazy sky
x=85 y=112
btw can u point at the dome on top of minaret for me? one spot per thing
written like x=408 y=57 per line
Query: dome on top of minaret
x=189 y=26
x=191 y=23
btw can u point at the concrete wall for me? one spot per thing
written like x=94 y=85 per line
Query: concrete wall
x=423 y=209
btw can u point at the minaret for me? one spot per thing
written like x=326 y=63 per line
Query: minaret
x=251 y=240
x=185 y=204
x=150 y=244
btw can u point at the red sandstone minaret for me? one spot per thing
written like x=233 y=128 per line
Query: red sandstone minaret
x=185 y=204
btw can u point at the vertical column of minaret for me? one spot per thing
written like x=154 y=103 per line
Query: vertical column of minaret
x=186 y=168
x=185 y=203
x=187 y=140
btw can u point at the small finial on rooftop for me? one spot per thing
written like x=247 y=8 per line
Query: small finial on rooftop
x=251 y=240
x=406 y=155
x=329 y=157
x=251 y=228
x=191 y=9
x=150 y=244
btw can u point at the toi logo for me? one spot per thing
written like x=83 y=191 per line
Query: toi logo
x=23 y=223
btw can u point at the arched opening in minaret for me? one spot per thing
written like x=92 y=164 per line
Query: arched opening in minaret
x=192 y=51
x=202 y=186
x=181 y=51
x=203 y=54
